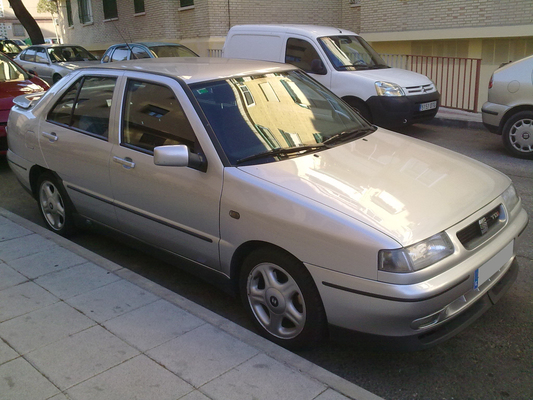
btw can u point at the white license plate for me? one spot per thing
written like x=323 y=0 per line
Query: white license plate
x=492 y=266
x=428 y=106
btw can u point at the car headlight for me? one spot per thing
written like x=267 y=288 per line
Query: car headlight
x=388 y=89
x=417 y=256
x=510 y=198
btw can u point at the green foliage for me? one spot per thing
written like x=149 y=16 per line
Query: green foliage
x=49 y=6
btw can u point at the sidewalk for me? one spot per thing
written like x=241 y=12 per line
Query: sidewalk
x=458 y=118
x=74 y=325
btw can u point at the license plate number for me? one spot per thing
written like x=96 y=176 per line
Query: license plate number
x=428 y=106
x=492 y=266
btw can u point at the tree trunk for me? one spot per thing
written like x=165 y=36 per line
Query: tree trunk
x=27 y=21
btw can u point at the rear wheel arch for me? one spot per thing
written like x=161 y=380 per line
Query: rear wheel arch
x=510 y=113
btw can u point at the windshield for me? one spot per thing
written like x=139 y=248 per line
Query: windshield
x=274 y=116
x=172 y=51
x=69 y=54
x=11 y=72
x=351 y=53
x=9 y=47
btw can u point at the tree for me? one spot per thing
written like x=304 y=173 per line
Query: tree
x=27 y=21
x=51 y=7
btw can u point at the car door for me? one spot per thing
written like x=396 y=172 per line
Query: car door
x=75 y=143
x=174 y=208
x=42 y=64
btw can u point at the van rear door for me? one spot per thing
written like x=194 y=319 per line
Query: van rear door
x=253 y=46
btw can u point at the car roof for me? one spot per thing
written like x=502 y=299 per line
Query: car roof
x=148 y=44
x=302 y=29
x=197 y=69
x=55 y=45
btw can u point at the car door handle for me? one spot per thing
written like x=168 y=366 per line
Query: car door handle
x=126 y=162
x=52 y=137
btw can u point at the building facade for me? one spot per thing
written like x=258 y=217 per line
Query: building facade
x=495 y=31
x=11 y=28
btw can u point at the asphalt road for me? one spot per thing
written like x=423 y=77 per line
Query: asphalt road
x=492 y=359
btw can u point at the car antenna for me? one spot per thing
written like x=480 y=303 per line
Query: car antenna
x=124 y=40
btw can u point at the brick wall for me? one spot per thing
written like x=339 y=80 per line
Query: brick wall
x=405 y=15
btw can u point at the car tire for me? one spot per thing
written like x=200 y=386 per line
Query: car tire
x=54 y=205
x=282 y=299
x=56 y=78
x=517 y=134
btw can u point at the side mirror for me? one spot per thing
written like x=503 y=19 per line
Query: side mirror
x=318 y=67
x=178 y=156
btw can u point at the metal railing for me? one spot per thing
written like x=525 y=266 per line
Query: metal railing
x=457 y=79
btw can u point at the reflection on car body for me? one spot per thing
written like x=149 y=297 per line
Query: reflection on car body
x=265 y=182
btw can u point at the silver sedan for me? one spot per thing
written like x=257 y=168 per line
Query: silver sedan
x=259 y=179
x=51 y=62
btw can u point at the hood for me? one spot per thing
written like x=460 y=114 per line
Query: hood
x=398 y=76
x=72 y=65
x=10 y=90
x=406 y=188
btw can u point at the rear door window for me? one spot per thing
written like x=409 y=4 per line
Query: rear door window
x=86 y=106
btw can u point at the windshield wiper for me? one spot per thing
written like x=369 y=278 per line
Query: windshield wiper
x=288 y=151
x=348 y=135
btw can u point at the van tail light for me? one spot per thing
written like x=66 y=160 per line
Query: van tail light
x=491 y=81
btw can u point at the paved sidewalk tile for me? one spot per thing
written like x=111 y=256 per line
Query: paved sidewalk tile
x=76 y=280
x=43 y=263
x=144 y=328
x=196 y=395
x=19 y=380
x=10 y=277
x=80 y=356
x=42 y=327
x=10 y=230
x=331 y=395
x=24 y=298
x=6 y=353
x=202 y=354
x=24 y=246
x=112 y=300
x=138 y=378
x=263 y=378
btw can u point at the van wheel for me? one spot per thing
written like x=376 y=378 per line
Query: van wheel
x=281 y=297
x=361 y=107
x=56 y=78
x=517 y=134
x=54 y=205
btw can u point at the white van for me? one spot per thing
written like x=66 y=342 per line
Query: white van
x=342 y=61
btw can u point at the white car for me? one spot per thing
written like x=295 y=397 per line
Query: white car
x=509 y=109
x=263 y=181
x=53 y=61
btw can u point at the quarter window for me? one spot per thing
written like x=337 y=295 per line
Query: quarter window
x=86 y=106
x=153 y=117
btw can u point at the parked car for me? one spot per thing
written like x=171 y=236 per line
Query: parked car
x=265 y=182
x=133 y=51
x=509 y=109
x=20 y=43
x=14 y=81
x=9 y=48
x=53 y=61
x=345 y=63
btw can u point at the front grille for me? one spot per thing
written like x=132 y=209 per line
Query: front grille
x=428 y=88
x=484 y=227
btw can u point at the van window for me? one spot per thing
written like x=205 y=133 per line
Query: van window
x=302 y=54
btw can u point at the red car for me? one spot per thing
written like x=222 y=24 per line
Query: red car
x=14 y=81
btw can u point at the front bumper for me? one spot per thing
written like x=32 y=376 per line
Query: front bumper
x=492 y=115
x=389 y=112
x=435 y=308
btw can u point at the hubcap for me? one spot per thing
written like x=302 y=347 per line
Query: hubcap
x=521 y=135
x=276 y=300
x=52 y=205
